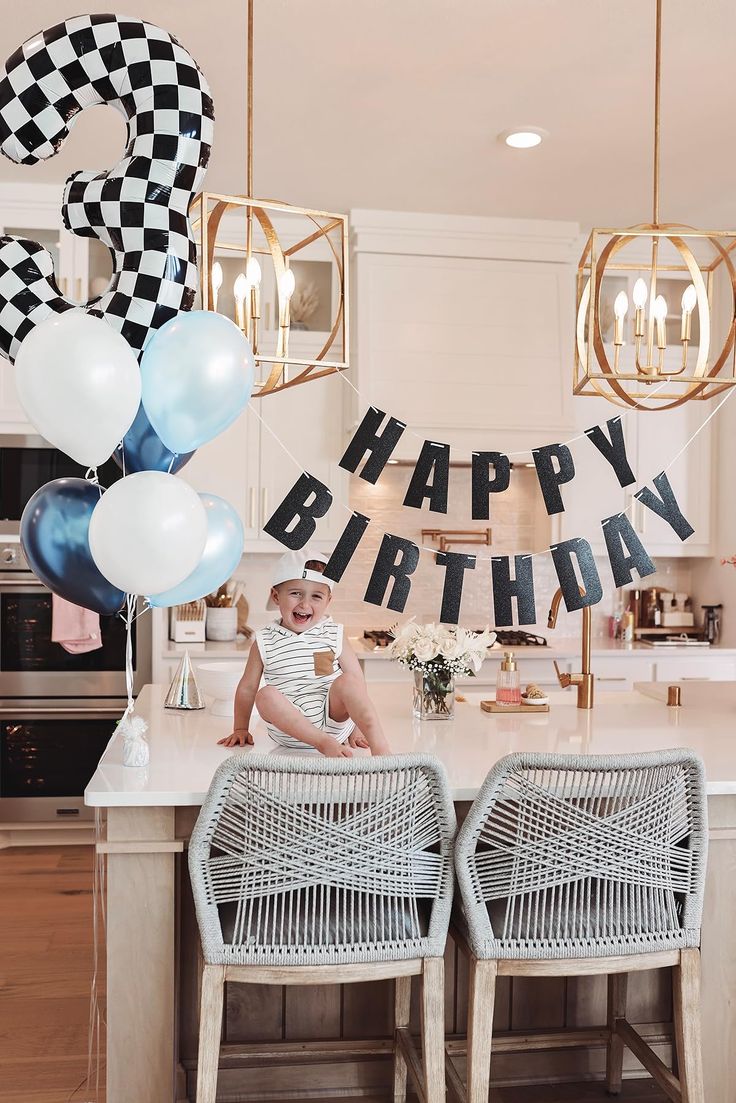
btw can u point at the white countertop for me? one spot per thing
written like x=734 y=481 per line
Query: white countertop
x=185 y=755
x=555 y=649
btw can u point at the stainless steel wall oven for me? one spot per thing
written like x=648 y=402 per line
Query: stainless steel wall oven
x=57 y=710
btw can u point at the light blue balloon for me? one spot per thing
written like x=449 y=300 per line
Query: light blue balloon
x=221 y=555
x=197 y=375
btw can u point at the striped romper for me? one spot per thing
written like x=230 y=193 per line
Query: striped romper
x=293 y=662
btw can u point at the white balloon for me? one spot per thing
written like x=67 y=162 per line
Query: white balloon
x=147 y=532
x=80 y=385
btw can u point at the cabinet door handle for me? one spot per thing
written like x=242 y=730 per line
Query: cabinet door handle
x=264 y=505
x=252 y=507
x=79 y=285
x=612 y=679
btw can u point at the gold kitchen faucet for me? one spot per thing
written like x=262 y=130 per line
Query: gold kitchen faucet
x=583 y=680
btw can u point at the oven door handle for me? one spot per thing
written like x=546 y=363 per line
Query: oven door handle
x=25 y=582
x=86 y=713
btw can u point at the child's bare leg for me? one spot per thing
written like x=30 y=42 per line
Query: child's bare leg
x=277 y=710
x=349 y=700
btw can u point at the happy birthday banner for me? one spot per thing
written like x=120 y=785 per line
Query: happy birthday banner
x=294 y=521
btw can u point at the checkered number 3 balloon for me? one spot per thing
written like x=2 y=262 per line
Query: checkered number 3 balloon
x=139 y=207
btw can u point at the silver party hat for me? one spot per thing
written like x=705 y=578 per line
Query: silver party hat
x=184 y=692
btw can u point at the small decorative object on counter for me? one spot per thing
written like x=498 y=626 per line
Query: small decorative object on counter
x=534 y=695
x=674 y=697
x=508 y=683
x=187 y=622
x=184 y=692
x=222 y=612
x=438 y=654
x=627 y=626
x=136 y=751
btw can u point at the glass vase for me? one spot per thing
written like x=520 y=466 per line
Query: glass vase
x=434 y=695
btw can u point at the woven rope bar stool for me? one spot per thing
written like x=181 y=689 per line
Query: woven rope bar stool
x=327 y=871
x=581 y=865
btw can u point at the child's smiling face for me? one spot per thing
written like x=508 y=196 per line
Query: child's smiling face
x=301 y=603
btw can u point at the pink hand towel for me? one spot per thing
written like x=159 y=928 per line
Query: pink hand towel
x=75 y=628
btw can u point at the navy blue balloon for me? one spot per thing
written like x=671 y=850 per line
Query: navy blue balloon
x=54 y=536
x=144 y=450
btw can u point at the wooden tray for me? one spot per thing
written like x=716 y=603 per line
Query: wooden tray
x=491 y=706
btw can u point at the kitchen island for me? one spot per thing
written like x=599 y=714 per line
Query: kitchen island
x=152 y=939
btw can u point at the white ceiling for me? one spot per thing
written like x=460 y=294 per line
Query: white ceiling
x=396 y=104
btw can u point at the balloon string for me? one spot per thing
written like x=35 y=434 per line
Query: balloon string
x=91 y=476
x=173 y=461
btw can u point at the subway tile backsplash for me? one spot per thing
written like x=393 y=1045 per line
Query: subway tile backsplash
x=519 y=524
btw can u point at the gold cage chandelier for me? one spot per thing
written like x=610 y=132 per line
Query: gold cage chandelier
x=651 y=356
x=237 y=230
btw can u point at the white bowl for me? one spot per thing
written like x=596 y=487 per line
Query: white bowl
x=220 y=680
x=534 y=700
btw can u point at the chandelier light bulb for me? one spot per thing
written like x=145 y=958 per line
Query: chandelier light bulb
x=287 y=283
x=640 y=293
x=253 y=272
x=240 y=287
x=689 y=299
x=240 y=290
x=621 y=305
x=217 y=277
x=659 y=310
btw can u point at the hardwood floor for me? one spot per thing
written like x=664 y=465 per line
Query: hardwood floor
x=46 y=966
x=45 y=972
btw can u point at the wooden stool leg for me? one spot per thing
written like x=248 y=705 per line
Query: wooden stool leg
x=210 y=1029
x=402 y=1010
x=433 y=1029
x=686 y=999
x=481 y=999
x=617 y=987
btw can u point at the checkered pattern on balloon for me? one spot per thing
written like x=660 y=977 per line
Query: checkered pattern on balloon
x=131 y=372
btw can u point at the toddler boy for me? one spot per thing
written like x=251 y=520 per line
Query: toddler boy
x=314 y=693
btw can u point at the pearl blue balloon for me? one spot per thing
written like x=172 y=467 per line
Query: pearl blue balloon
x=144 y=451
x=197 y=375
x=54 y=536
x=221 y=555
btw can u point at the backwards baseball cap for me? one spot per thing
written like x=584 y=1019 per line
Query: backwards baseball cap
x=294 y=565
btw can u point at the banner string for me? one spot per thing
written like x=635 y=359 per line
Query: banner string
x=489 y=558
x=519 y=452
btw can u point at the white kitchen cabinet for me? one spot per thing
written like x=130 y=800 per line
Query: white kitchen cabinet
x=463 y=327
x=659 y=437
x=619 y=674
x=229 y=467
x=248 y=466
x=309 y=421
x=82 y=266
x=595 y=492
x=653 y=439
x=711 y=668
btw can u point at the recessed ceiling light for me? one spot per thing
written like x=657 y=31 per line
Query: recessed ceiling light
x=523 y=137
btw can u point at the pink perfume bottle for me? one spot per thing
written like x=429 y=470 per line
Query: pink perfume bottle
x=508 y=686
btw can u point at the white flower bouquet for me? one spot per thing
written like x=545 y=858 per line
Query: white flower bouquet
x=439 y=654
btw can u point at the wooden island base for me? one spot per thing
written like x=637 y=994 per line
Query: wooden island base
x=309 y=1042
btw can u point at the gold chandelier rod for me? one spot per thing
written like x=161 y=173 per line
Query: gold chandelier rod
x=249 y=133
x=657 y=94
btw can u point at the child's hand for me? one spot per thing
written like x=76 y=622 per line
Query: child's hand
x=357 y=739
x=238 y=738
x=332 y=749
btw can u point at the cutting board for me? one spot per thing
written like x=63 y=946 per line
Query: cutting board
x=491 y=706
